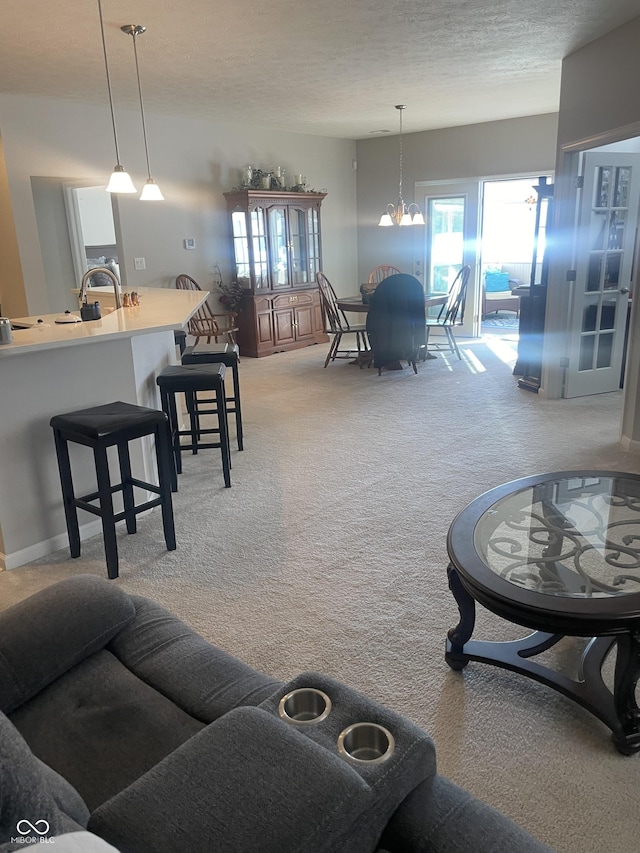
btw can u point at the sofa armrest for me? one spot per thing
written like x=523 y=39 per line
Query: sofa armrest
x=249 y=781
x=440 y=816
x=252 y=781
x=65 y=623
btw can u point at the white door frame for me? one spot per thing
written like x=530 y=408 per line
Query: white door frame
x=471 y=190
x=556 y=330
x=74 y=221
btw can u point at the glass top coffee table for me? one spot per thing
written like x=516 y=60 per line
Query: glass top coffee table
x=559 y=553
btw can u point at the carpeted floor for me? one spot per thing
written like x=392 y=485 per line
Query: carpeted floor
x=329 y=553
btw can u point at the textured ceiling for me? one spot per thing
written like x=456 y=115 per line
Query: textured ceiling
x=333 y=68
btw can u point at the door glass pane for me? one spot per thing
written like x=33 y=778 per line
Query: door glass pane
x=585 y=361
x=623 y=177
x=608 y=315
x=589 y=318
x=612 y=271
x=278 y=242
x=445 y=241
x=594 y=273
x=616 y=229
x=602 y=183
x=605 y=347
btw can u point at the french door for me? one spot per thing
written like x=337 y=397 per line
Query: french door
x=605 y=237
x=453 y=219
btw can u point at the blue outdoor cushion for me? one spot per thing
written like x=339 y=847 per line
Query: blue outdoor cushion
x=496 y=282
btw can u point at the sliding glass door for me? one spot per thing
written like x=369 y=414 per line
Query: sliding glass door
x=453 y=216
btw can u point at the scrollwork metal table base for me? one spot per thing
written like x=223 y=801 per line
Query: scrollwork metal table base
x=617 y=710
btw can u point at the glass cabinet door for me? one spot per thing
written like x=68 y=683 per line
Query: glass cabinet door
x=278 y=248
x=259 y=246
x=250 y=248
x=241 y=247
x=298 y=246
x=313 y=238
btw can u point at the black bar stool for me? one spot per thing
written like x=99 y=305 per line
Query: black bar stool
x=188 y=379
x=229 y=355
x=101 y=427
x=180 y=337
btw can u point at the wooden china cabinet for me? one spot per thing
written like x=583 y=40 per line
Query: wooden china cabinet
x=278 y=251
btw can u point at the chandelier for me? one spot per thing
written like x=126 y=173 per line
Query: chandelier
x=401 y=213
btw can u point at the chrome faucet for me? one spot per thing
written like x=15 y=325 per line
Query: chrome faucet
x=84 y=285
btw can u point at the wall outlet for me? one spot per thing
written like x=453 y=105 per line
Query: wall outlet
x=139 y=264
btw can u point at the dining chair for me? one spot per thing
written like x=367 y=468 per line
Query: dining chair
x=451 y=313
x=381 y=272
x=337 y=325
x=396 y=322
x=204 y=323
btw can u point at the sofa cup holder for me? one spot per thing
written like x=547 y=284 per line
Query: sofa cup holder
x=305 y=706
x=366 y=743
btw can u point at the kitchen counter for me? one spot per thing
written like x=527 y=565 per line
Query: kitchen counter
x=160 y=308
x=51 y=369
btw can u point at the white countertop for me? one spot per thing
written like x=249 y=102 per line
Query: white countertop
x=160 y=308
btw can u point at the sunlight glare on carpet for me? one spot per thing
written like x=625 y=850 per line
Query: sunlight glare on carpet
x=472 y=361
x=505 y=350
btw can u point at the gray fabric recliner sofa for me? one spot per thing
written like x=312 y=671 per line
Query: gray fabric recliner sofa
x=120 y=724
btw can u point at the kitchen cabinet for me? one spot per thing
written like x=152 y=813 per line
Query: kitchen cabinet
x=277 y=248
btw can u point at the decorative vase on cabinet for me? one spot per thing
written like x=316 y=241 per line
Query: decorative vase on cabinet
x=278 y=251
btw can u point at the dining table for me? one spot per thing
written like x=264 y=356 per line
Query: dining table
x=355 y=303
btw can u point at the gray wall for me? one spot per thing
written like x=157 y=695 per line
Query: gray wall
x=501 y=148
x=598 y=104
x=194 y=161
x=598 y=91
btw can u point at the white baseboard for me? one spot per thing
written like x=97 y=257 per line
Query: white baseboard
x=47 y=546
x=629 y=444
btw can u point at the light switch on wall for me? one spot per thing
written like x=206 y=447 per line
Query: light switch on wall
x=139 y=264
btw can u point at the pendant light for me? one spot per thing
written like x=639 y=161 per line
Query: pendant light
x=400 y=213
x=150 y=191
x=120 y=181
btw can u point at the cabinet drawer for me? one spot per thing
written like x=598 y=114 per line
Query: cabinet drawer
x=292 y=300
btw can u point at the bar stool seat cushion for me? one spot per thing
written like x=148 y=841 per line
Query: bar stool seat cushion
x=101 y=421
x=191 y=377
x=228 y=354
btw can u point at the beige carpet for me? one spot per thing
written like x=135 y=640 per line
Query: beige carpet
x=329 y=553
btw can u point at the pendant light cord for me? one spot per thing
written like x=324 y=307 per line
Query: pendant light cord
x=144 y=125
x=106 y=66
x=400 y=109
